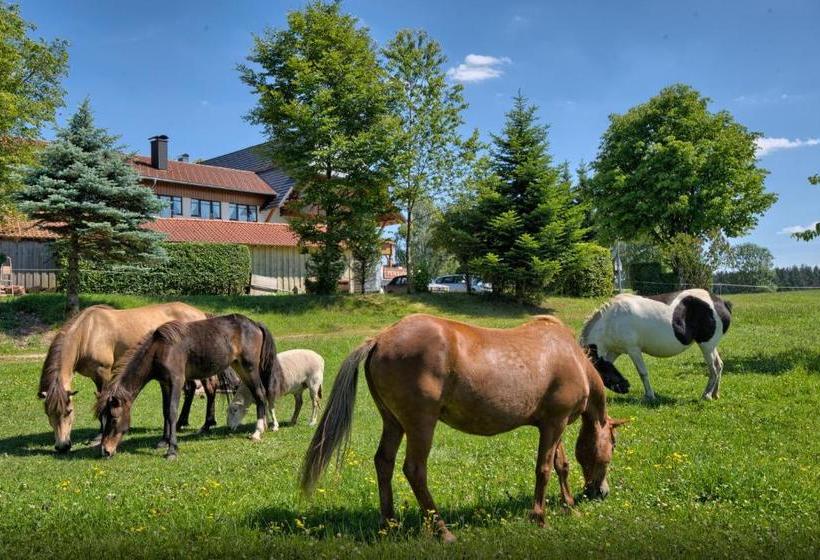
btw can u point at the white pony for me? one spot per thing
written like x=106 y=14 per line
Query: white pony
x=302 y=369
x=661 y=326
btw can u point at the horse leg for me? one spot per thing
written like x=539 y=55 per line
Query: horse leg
x=175 y=393
x=315 y=401
x=99 y=383
x=297 y=407
x=190 y=392
x=166 y=430
x=711 y=357
x=549 y=436
x=719 y=369
x=209 y=385
x=274 y=423
x=419 y=442
x=385 y=461
x=561 y=464
x=637 y=359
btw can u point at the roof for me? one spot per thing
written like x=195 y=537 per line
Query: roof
x=25 y=229
x=203 y=176
x=224 y=231
x=253 y=159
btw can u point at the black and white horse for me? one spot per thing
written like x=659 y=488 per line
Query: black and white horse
x=661 y=326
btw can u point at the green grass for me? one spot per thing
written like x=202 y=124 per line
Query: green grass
x=733 y=478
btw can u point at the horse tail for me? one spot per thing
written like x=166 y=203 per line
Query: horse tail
x=269 y=366
x=333 y=433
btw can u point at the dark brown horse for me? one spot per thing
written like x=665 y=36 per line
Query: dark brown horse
x=176 y=352
x=481 y=381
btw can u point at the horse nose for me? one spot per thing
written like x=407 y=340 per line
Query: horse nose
x=105 y=452
x=62 y=447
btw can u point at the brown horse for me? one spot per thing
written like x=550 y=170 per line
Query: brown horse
x=481 y=381
x=90 y=344
x=177 y=352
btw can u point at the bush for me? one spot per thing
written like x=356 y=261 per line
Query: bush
x=586 y=271
x=648 y=278
x=190 y=269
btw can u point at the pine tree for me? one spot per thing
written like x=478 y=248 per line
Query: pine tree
x=87 y=193
x=530 y=218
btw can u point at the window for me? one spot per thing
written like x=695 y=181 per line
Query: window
x=242 y=212
x=171 y=206
x=209 y=209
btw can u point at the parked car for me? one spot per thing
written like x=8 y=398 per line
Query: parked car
x=456 y=283
x=398 y=285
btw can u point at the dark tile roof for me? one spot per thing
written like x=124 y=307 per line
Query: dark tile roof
x=252 y=159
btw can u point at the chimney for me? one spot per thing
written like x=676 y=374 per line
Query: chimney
x=159 y=152
x=183 y=158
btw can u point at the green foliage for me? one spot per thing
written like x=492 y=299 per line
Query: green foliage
x=586 y=271
x=428 y=256
x=86 y=192
x=753 y=265
x=694 y=260
x=429 y=112
x=190 y=269
x=521 y=211
x=30 y=93
x=650 y=278
x=670 y=166
x=810 y=233
x=323 y=101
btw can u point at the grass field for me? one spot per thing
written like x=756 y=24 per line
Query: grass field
x=733 y=478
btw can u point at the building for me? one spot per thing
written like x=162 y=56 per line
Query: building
x=234 y=198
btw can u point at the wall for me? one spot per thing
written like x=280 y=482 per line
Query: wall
x=283 y=267
x=32 y=264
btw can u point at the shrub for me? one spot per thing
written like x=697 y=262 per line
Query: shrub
x=649 y=278
x=586 y=271
x=190 y=269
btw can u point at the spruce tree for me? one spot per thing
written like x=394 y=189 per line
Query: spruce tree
x=530 y=218
x=87 y=193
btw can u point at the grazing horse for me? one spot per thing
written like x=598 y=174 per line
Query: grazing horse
x=176 y=352
x=301 y=369
x=481 y=381
x=662 y=326
x=90 y=344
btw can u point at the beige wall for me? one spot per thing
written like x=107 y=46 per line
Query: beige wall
x=284 y=266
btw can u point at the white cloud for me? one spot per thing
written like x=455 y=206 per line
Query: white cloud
x=478 y=67
x=798 y=229
x=768 y=145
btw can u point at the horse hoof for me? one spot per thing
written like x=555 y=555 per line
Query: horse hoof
x=171 y=456
x=448 y=538
x=162 y=444
x=255 y=437
x=707 y=397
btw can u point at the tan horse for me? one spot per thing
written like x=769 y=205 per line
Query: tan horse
x=481 y=381
x=90 y=344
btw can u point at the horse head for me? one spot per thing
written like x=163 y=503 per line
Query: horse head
x=115 y=417
x=612 y=378
x=59 y=406
x=594 y=448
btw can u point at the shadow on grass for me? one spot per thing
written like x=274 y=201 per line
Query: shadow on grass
x=660 y=401
x=28 y=445
x=773 y=364
x=363 y=524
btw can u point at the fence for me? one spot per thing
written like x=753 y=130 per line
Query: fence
x=35 y=279
x=721 y=287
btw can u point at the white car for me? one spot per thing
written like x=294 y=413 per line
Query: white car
x=455 y=283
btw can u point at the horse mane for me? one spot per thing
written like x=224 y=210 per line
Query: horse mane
x=57 y=398
x=172 y=331
x=552 y=319
x=592 y=319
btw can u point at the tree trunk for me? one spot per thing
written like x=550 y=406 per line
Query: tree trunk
x=407 y=257
x=363 y=273
x=72 y=288
x=469 y=278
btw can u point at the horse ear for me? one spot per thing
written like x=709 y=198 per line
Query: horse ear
x=41 y=395
x=617 y=422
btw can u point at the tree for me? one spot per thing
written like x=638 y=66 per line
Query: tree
x=529 y=218
x=429 y=258
x=670 y=167
x=322 y=100
x=30 y=93
x=430 y=113
x=86 y=192
x=810 y=234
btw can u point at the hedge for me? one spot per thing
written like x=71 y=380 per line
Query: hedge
x=190 y=269
x=586 y=271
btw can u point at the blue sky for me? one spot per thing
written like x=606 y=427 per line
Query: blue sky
x=169 y=67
